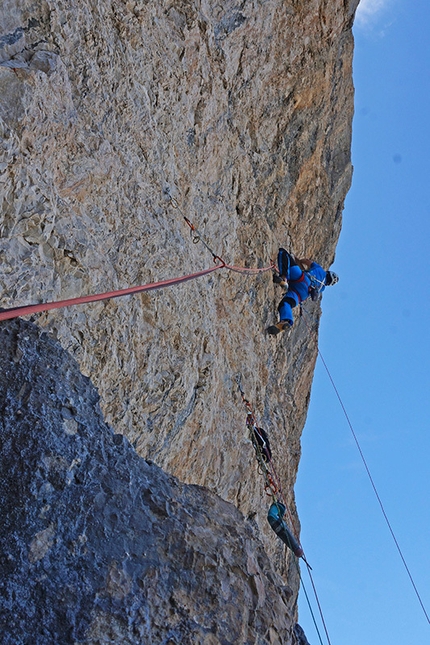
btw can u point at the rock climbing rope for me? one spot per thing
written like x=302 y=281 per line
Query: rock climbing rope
x=15 y=312
x=369 y=474
x=59 y=304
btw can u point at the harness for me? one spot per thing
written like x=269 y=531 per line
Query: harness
x=315 y=283
x=301 y=279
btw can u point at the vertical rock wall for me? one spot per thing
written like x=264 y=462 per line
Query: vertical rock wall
x=239 y=111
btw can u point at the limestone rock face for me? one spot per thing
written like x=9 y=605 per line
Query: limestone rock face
x=101 y=546
x=116 y=120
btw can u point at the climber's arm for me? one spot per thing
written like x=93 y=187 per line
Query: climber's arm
x=305 y=263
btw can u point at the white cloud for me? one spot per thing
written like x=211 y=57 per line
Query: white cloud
x=368 y=11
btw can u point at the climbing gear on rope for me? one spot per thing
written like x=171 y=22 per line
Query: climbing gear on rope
x=237 y=269
x=274 y=517
x=265 y=465
x=278 y=509
x=261 y=447
x=196 y=237
x=263 y=442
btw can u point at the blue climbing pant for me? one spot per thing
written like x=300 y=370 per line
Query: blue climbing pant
x=298 y=285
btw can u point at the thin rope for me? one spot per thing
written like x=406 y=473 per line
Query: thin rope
x=375 y=490
x=318 y=603
x=310 y=606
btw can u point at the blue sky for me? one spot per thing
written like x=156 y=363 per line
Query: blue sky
x=375 y=340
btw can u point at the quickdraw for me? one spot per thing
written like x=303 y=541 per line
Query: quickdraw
x=197 y=237
x=270 y=487
x=260 y=443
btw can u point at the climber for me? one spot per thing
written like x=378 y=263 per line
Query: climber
x=274 y=516
x=301 y=278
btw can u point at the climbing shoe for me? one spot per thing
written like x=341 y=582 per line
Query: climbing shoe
x=280 y=326
x=278 y=279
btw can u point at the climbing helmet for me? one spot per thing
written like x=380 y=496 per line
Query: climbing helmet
x=331 y=278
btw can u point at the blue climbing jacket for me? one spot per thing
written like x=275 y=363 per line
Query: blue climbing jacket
x=274 y=516
x=317 y=277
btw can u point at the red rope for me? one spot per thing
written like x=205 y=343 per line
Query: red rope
x=248 y=270
x=15 y=312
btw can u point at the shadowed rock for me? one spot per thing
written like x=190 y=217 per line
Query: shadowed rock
x=101 y=546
